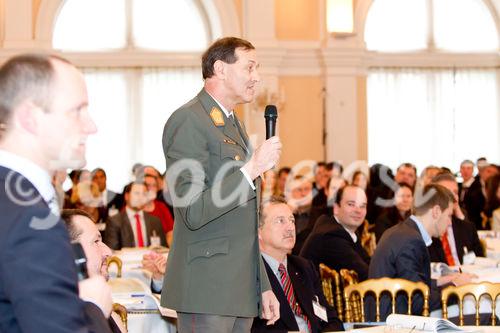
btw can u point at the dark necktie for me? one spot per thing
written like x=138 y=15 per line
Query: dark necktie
x=240 y=131
x=286 y=282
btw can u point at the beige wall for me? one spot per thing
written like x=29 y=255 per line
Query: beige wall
x=35 y=8
x=297 y=19
x=300 y=119
x=362 y=119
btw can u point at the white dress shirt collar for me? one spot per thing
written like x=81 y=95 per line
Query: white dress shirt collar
x=35 y=174
x=425 y=235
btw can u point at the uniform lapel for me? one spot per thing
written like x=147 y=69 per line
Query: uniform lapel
x=228 y=128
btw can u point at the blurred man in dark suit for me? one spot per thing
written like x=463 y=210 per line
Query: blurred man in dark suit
x=44 y=125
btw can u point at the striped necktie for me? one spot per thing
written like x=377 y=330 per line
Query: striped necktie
x=286 y=282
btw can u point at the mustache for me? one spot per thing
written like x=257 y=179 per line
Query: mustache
x=289 y=234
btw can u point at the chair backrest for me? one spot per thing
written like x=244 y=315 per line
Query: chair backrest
x=118 y=262
x=380 y=286
x=122 y=312
x=476 y=290
x=330 y=281
x=350 y=277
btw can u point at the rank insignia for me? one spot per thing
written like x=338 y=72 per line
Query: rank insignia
x=217 y=117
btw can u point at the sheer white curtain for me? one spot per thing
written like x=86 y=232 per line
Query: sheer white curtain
x=163 y=91
x=432 y=116
x=130 y=108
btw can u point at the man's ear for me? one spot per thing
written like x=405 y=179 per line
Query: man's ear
x=220 y=69
x=26 y=116
x=436 y=212
x=336 y=208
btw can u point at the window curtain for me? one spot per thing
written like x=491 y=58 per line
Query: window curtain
x=432 y=116
x=130 y=107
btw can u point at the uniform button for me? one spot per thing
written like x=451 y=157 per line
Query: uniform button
x=237 y=157
x=207 y=253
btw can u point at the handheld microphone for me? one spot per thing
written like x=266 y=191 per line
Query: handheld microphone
x=80 y=261
x=271 y=114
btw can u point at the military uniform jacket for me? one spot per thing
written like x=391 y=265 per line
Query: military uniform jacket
x=214 y=265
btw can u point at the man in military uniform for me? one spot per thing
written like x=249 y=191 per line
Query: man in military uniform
x=215 y=277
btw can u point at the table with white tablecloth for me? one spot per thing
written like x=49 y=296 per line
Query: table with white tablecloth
x=134 y=292
x=487 y=270
x=492 y=239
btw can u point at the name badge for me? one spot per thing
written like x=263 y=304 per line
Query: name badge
x=319 y=310
x=469 y=257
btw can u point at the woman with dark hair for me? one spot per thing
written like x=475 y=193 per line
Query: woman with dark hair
x=399 y=212
x=492 y=208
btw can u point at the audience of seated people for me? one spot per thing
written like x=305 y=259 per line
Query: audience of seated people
x=327 y=228
x=402 y=252
x=133 y=226
x=334 y=240
x=294 y=280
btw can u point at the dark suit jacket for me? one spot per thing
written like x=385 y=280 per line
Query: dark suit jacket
x=38 y=281
x=119 y=233
x=474 y=202
x=465 y=236
x=401 y=253
x=330 y=244
x=114 y=200
x=307 y=286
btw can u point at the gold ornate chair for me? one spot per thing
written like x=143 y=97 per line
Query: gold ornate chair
x=118 y=262
x=378 y=287
x=330 y=280
x=476 y=290
x=350 y=277
x=122 y=312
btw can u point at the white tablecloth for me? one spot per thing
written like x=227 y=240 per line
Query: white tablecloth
x=140 y=321
x=487 y=271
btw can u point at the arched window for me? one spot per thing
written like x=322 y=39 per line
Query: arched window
x=422 y=110
x=96 y=25
x=131 y=104
x=452 y=25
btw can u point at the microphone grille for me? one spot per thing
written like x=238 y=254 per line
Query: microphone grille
x=271 y=111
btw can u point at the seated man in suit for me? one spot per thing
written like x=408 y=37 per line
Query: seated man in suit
x=133 y=227
x=402 y=252
x=110 y=202
x=334 y=241
x=475 y=198
x=82 y=229
x=461 y=237
x=294 y=280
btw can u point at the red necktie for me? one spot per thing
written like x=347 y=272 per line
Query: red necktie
x=138 y=226
x=447 y=249
x=286 y=282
